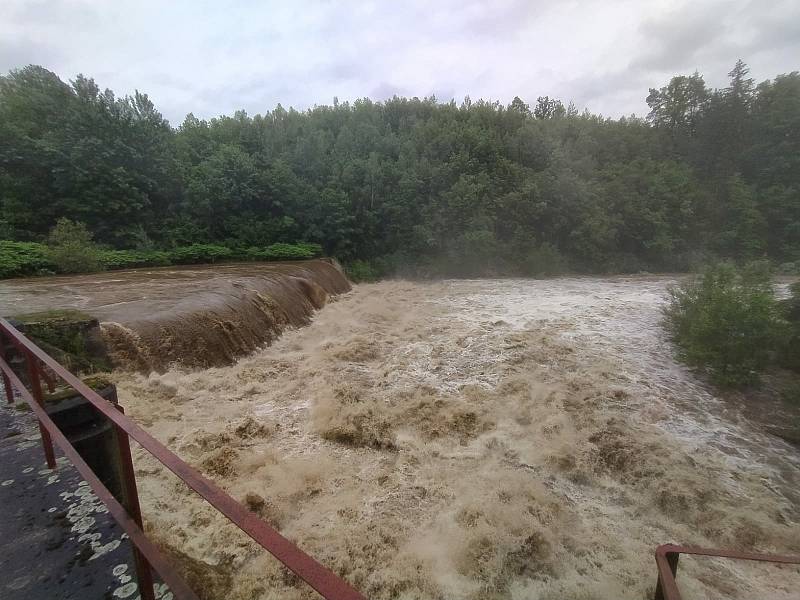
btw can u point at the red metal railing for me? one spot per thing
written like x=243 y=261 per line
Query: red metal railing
x=667 y=563
x=321 y=579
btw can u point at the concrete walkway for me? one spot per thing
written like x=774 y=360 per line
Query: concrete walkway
x=57 y=540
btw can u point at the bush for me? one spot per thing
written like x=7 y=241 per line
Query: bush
x=210 y=253
x=314 y=249
x=129 y=259
x=70 y=248
x=790 y=352
x=287 y=252
x=625 y=263
x=281 y=251
x=199 y=253
x=544 y=261
x=18 y=259
x=362 y=271
x=727 y=322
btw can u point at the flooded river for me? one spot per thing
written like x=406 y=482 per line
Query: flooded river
x=473 y=439
x=464 y=439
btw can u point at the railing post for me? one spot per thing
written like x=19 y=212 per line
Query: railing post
x=7 y=387
x=6 y=381
x=51 y=385
x=672 y=561
x=36 y=392
x=130 y=501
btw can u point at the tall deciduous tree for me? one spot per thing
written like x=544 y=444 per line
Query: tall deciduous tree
x=470 y=188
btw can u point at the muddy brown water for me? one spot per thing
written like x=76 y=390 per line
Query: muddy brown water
x=471 y=439
x=196 y=316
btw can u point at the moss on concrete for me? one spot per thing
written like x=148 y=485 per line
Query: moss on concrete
x=97 y=382
x=44 y=316
x=70 y=336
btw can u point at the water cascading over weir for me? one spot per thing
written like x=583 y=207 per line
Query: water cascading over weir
x=229 y=318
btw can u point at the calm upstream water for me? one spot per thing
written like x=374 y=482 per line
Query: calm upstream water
x=139 y=294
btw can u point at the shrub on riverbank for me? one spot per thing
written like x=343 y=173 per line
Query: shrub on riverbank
x=362 y=271
x=71 y=249
x=199 y=253
x=302 y=251
x=728 y=322
x=21 y=259
x=130 y=259
x=790 y=352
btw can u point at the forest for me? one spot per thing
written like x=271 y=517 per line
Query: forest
x=410 y=186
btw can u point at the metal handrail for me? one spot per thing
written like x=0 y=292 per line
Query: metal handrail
x=329 y=585
x=151 y=553
x=667 y=563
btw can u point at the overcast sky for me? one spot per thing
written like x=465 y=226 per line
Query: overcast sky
x=214 y=58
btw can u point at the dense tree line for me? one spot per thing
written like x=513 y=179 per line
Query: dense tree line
x=414 y=184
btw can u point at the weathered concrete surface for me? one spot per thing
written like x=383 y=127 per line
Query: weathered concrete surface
x=57 y=540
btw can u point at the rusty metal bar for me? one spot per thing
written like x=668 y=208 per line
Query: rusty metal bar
x=51 y=384
x=6 y=381
x=666 y=586
x=7 y=387
x=131 y=497
x=320 y=578
x=667 y=563
x=153 y=555
x=36 y=390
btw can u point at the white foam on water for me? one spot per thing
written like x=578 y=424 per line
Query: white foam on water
x=470 y=439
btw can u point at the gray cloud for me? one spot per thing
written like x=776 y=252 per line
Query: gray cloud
x=677 y=38
x=22 y=51
x=52 y=12
x=212 y=59
x=385 y=90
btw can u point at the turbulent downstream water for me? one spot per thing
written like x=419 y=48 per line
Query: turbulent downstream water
x=472 y=439
x=462 y=439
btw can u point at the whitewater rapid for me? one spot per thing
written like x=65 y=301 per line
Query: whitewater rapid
x=472 y=439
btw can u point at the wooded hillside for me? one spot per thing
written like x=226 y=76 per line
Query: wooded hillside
x=415 y=184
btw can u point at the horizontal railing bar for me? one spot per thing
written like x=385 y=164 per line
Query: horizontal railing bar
x=320 y=578
x=136 y=535
x=733 y=554
x=667 y=564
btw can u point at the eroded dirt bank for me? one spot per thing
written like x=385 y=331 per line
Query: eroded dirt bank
x=198 y=316
x=472 y=439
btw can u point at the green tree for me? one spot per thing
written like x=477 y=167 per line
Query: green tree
x=743 y=229
x=547 y=108
x=728 y=322
x=412 y=183
x=679 y=105
x=71 y=249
